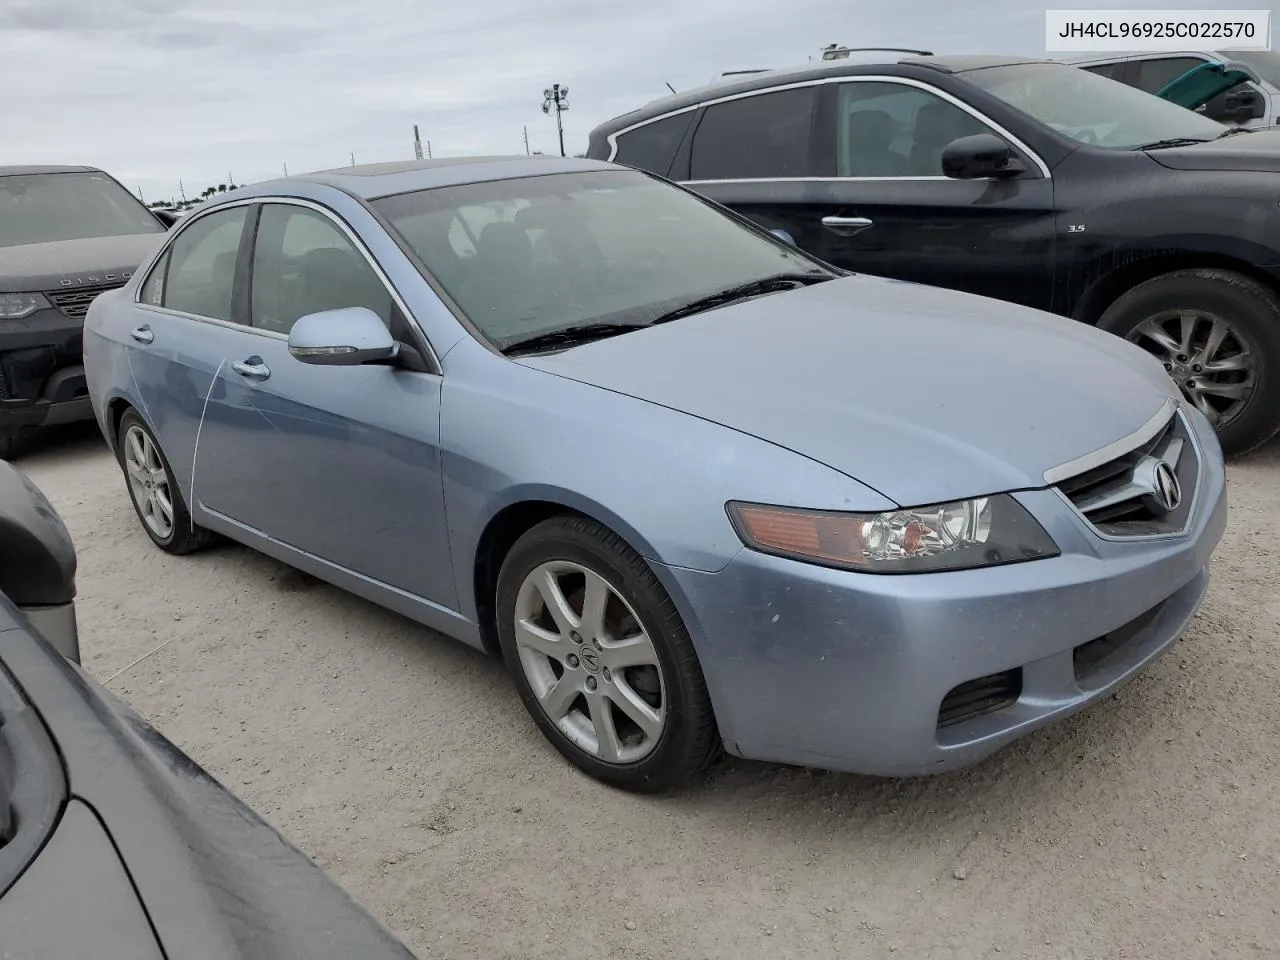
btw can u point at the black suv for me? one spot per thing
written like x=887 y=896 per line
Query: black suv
x=1025 y=180
x=66 y=235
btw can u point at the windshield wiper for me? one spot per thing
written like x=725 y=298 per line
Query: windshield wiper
x=1232 y=132
x=754 y=288
x=1169 y=142
x=579 y=333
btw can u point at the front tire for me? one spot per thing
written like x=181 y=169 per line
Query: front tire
x=155 y=493
x=601 y=658
x=1218 y=335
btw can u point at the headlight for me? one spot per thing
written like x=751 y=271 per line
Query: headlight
x=15 y=306
x=948 y=536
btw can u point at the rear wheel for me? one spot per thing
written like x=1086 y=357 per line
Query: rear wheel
x=601 y=658
x=155 y=493
x=1218 y=335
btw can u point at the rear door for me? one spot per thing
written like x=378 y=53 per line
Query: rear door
x=181 y=327
x=342 y=463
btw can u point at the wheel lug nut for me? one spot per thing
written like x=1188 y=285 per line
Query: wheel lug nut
x=607 y=675
x=572 y=661
x=1197 y=368
x=575 y=636
x=1182 y=358
x=591 y=683
x=1191 y=383
x=1168 y=366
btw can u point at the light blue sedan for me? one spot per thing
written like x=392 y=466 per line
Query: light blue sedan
x=699 y=489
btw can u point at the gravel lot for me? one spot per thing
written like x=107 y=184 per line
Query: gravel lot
x=404 y=763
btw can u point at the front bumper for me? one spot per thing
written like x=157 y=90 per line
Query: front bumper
x=859 y=672
x=41 y=372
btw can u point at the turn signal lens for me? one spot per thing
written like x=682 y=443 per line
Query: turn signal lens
x=950 y=536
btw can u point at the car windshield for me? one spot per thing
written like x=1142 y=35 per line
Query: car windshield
x=45 y=207
x=1090 y=108
x=1265 y=63
x=534 y=255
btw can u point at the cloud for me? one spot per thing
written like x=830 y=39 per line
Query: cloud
x=161 y=90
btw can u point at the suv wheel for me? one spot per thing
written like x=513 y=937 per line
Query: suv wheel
x=1218 y=335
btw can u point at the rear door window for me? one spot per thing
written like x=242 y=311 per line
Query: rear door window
x=761 y=137
x=653 y=146
x=201 y=271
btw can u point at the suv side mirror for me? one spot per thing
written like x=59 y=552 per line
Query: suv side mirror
x=346 y=337
x=980 y=156
x=1237 y=106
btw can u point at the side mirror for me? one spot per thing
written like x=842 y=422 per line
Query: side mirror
x=978 y=157
x=346 y=337
x=784 y=236
x=166 y=217
x=1237 y=106
x=37 y=562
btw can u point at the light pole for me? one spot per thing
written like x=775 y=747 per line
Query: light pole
x=556 y=98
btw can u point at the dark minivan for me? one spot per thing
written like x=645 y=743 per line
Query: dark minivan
x=1024 y=180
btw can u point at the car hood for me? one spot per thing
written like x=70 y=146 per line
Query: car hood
x=1258 y=151
x=215 y=879
x=922 y=393
x=67 y=264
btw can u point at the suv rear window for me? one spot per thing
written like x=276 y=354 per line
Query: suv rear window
x=653 y=146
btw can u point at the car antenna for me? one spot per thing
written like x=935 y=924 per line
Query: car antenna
x=670 y=87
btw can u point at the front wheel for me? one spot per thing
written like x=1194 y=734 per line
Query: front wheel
x=601 y=658
x=1218 y=335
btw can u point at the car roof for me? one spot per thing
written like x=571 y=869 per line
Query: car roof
x=27 y=170
x=372 y=180
x=856 y=63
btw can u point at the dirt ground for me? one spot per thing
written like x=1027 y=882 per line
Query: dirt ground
x=1146 y=828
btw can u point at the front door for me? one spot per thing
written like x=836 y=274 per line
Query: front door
x=876 y=200
x=342 y=463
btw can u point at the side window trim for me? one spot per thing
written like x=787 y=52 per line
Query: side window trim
x=1036 y=159
x=161 y=260
x=240 y=288
x=345 y=229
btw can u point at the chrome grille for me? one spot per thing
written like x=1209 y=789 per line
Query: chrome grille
x=75 y=303
x=1119 y=499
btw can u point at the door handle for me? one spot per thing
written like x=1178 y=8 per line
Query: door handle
x=846 y=226
x=253 y=368
x=142 y=334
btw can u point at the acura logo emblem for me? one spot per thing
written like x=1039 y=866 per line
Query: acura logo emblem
x=1167 y=489
x=1159 y=484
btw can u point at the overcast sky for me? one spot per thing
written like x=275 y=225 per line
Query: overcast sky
x=157 y=90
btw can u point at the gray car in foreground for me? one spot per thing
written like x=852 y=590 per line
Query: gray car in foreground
x=114 y=844
x=697 y=487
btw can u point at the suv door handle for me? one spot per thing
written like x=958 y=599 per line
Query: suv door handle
x=253 y=368
x=846 y=226
x=142 y=334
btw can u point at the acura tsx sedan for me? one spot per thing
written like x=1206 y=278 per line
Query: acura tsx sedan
x=698 y=488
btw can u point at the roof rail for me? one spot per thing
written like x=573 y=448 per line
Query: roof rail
x=735 y=73
x=834 y=51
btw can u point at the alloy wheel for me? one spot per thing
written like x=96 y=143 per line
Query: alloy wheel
x=590 y=662
x=1212 y=362
x=148 y=482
